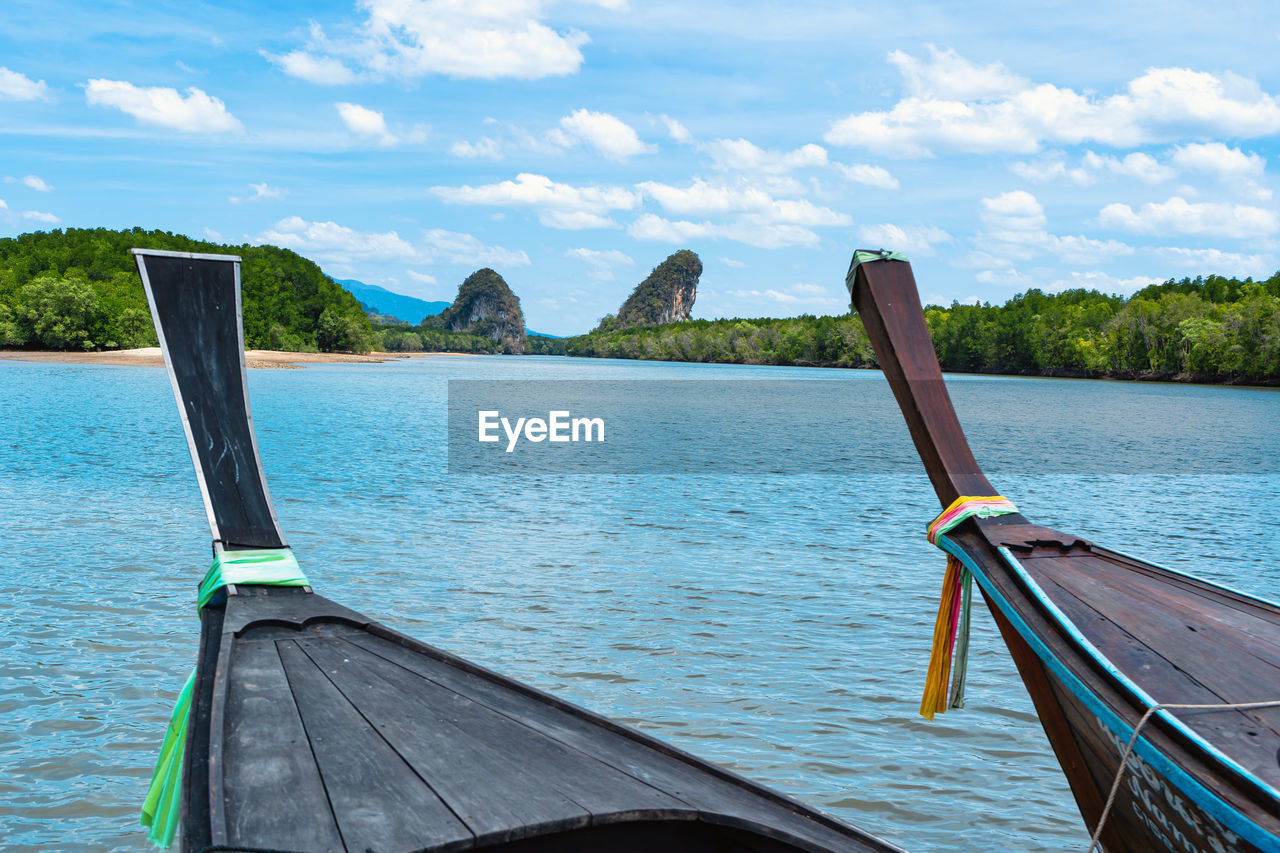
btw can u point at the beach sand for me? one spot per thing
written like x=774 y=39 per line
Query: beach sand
x=254 y=358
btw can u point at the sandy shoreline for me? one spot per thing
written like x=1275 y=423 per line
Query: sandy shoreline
x=254 y=358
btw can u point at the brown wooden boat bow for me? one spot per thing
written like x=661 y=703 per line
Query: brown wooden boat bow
x=1103 y=640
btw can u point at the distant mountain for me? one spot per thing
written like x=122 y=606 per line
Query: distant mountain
x=382 y=301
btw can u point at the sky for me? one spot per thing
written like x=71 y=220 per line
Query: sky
x=572 y=146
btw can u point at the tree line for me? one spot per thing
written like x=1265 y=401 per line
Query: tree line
x=78 y=289
x=1208 y=328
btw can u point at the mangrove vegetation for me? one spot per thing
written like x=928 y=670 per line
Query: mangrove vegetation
x=1205 y=329
x=78 y=289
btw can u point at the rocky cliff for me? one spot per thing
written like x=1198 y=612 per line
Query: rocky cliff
x=485 y=306
x=666 y=296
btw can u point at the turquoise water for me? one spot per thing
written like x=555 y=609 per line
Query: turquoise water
x=776 y=624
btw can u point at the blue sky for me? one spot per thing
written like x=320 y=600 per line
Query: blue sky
x=572 y=146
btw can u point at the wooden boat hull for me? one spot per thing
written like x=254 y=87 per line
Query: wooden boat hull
x=318 y=729
x=314 y=728
x=1103 y=642
x=1088 y=712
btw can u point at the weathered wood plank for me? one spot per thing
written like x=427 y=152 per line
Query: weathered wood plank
x=1199 y=654
x=714 y=793
x=1227 y=730
x=290 y=607
x=1252 y=639
x=272 y=789
x=531 y=759
x=377 y=799
x=479 y=781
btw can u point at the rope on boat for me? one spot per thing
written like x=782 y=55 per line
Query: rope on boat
x=1133 y=740
x=162 y=805
x=951 y=630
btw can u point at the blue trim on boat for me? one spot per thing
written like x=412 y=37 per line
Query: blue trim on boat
x=1147 y=699
x=1210 y=802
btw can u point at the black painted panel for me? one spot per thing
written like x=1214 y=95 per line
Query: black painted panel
x=193 y=301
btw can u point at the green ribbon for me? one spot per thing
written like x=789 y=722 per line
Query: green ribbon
x=162 y=806
x=270 y=567
x=163 y=803
x=862 y=256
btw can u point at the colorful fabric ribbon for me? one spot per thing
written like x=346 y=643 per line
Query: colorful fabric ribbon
x=951 y=630
x=163 y=803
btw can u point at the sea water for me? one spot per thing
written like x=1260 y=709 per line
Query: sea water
x=778 y=624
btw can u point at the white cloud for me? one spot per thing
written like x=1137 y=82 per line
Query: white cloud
x=39 y=216
x=371 y=124
x=212 y=235
x=912 y=240
x=953 y=105
x=339 y=244
x=1231 y=165
x=1178 y=216
x=19 y=87
x=1219 y=262
x=608 y=134
x=741 y=155
x=763 y=236
x=1138 y=165
x=196 y=112
x=4 y=205
x=413 y=38
x=676 y=130
x=486 y=147
x=1050 y=168
x=421 y=277
x=261 y=192
x=872 y=176
x=1016 y=211
x=793 y=298
x=730 y=262
x=602 y=262
x=322 y=70
x=457 y=248
x=1015 y=227
x=361 y=120
x=559 y=205
x=1104 y=282
x=1218 y=158
x=574 y=220
x=704 y=198
x=35 y=183
x=950 y=76
x=336 y=242
x=601 y=258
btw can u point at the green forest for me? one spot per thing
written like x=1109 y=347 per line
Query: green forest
x=1203 y=329
x=402 y=337
x=78 y=289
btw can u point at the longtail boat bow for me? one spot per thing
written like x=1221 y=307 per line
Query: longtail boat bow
x=312 y=727
x=1158 y=691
